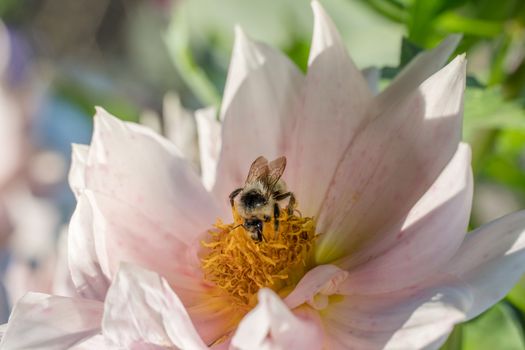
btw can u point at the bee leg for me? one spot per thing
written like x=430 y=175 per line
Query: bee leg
x=291 y=204
x=276 y=213
x=259 y=237
x=280 y=196
x=234 y=194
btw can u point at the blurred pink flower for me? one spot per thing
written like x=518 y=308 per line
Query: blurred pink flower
x=384 y=176
x=28 y=224
x=12 y=119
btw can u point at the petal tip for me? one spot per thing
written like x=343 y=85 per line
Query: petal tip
x=325 y=33
x=319 y=12
x=104 y=119
x=239 y=32
x=242 y=40
x=459 y=64
x=246 y=49
x=100 y=110
x=317 y=7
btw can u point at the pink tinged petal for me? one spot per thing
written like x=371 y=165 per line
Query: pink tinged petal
x=96 y=342
x=87 y=260
x=333 y=106
x=409 y=319
x=212 y=317
x=429 y=236
x=418 y=70
x=316 y=286
x=488 y=263
x=77 y=178
x=209 y=131
x=141 y=307
x=180 y=127
x=41 y=321
x=132 y=164
x=491 y=260
x=62 y=281
x=430 y=324
x=135 y=238
x=391 y=164
x=262 y=89
x=272 y=326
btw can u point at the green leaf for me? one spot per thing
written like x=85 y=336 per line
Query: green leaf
x=409 y=50
x=486 y=109
x=503 y=160
x=498 y=328
x=455 y=23
x=178 y=43
x=455 y=339
x=391 y=9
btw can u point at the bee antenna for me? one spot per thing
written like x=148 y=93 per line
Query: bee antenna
x=233 y=228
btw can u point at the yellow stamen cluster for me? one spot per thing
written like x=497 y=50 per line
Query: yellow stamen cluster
x=241 y=266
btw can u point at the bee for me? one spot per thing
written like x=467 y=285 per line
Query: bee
x=258 y=201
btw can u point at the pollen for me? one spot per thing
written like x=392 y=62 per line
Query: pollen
x=240 y=266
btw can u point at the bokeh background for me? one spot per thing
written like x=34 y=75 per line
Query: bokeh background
x=146 y=60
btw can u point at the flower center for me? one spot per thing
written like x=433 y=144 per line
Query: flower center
x=241 y=265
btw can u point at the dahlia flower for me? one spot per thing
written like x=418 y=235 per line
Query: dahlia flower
x=374 y=254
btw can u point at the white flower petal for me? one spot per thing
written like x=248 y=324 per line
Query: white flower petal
x=428 y=238
x=272 y=326
x=134 y=238
x=324 y=279
x=487 y=265
x=141 y=307
x=41 y=321
x=418 y=70
x=77 y=173
x=392 y=163
x=180 y=127
x=132 y=164
x=209 y=131
x=332 y=109
x=402 y=320
x=262 y=89
x=491 y=260
x=84 y=263
x=96 y=342
x=62 y=282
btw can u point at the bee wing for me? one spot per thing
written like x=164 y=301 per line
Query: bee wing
x=276 y=170
x=258 y=170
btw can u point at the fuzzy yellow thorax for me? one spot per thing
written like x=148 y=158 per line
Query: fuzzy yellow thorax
x=241 y=266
